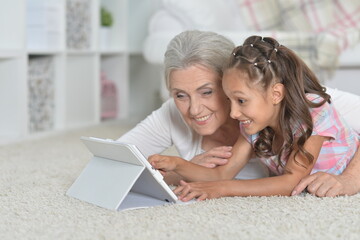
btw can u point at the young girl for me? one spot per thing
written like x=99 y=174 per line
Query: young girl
x=286 y=120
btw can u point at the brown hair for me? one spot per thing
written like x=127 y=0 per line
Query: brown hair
x=265 y=61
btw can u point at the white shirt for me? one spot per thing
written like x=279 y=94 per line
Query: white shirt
x=348 y=105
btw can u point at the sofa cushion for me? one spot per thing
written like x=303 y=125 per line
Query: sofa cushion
x=163 y=21
x=207 y=15
x=294 y=15
x=319 y=49
x=319 y=15
x=288 y=15
x=260 y=15
x=334 y=24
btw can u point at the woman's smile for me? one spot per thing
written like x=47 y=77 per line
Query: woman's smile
x=202 y=120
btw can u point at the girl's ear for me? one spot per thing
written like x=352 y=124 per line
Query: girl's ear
x=278 y=92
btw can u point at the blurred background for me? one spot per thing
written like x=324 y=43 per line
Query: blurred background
x=66 y=64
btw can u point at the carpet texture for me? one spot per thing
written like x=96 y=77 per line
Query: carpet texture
x=35 y=174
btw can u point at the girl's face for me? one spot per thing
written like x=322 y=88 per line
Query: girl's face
x=253 y=107
x=200 y=99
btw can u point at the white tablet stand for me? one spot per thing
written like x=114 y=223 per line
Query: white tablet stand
x=119 y=177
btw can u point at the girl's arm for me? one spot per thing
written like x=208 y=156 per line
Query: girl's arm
x=279 y=185
x=348 y=183
x=324 y=184
x=241 y=153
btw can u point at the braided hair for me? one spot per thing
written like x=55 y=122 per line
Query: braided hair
x=266 y=62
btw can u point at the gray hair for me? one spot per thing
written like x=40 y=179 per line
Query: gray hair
x=189 y=48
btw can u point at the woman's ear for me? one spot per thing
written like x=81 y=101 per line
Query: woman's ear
x=278 y=92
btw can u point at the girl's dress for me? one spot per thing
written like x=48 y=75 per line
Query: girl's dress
x=335 y=154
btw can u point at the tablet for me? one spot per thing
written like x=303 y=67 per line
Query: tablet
x=119 y=177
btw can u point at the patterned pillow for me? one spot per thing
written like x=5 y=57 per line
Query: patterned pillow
x=288 y=15
x=260 y=15
x=319 y=15
x=308 y=15
x=292 y=14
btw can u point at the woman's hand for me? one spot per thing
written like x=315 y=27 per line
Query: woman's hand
x=323 y=184
x=214 y=157
x=200 y=190
x=164 y=163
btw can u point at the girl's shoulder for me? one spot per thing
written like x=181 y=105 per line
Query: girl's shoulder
x=315 y=98
x=324 y=110
x=320 y=112
x=322 y=116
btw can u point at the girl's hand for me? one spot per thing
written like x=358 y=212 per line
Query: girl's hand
x=200 y=190
x=163 y=163
x=323 y=184
x=214 y=157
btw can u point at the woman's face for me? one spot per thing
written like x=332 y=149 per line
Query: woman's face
x=200 y=99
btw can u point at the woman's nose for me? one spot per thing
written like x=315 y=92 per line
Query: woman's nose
x=195 y=107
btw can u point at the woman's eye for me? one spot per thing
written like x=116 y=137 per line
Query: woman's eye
x=180 y=95
x=241 y=101
x=208 y=92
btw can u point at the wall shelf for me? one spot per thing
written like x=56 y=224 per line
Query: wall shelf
x=44 y=52
x=11 y=53
x=40 y=30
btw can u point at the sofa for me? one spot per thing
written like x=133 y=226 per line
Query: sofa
x=232 y=18
x=325 y=38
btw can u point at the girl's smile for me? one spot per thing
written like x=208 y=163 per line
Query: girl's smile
x=245 y=123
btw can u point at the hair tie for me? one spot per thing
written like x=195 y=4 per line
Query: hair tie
x=275 y=49
x=234 y=54
x=252 y=45
x=269 y=61
x=255 y=64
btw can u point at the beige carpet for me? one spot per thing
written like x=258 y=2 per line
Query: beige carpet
x=35 y=174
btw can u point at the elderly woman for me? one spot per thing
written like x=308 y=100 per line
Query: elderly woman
x=196 y=118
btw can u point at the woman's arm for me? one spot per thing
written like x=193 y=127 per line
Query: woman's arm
x=324 y=184
x=241 y=153
x=279 y=185
x=217 y=156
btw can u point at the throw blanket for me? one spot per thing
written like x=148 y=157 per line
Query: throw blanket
x=319 y=29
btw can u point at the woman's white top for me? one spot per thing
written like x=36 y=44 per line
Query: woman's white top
x=348 y=105
x=165 y=127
